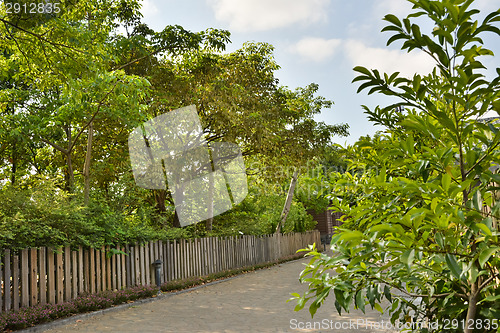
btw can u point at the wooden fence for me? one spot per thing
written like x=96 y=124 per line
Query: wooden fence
x=46 y=275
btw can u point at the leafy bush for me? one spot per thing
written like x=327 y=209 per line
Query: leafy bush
x=92 y=303
x=423 y=231
x=259 y=214
x=41 y=214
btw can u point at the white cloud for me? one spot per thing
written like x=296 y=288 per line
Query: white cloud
x=262 y=15
x=149 y=8
x=388 y=61
x=316 y=49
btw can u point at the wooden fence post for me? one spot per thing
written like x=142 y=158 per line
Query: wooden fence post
x=7 y=284
x=112 y=272
x=128 y=265
x=59 y=277
x=98 y=269
x=67 y=273
x=25 y=299
x=74 y=275
x=42 y=269
x=33 y=277
x=92 y=271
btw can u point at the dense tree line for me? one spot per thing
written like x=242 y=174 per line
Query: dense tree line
x=72 y=89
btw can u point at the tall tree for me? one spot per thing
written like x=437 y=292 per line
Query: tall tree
x=240 y=100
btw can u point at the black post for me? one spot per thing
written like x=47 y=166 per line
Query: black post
x=157 y=264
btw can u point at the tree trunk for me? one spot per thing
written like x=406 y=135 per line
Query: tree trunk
x=71 y=176
x=86 y=168
x=177 y=223
x=209 y=222
x=14 y=165
x=160 y=197
x=471 y=311
x=69 y=161
x=288 y=202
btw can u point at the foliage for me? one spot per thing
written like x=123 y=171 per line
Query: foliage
x=71 y=90
x=259 y=214
x=239 y=100
x=423 y=230
x=41 y=214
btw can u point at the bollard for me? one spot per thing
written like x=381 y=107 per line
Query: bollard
x=157 y=264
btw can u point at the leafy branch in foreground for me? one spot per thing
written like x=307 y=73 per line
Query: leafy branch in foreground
x=421 y=233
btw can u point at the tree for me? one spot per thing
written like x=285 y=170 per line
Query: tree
x=69 y=77
x=424 y=222
x=240 y=100
x=63 y=63
x=72 y=88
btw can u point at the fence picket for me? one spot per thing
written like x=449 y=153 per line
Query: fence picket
x=15 y=284
x=74 y=275
x=67 y=273
x=137 y=265
x=51 y=278
x=147 y=264
x=92 y=271
x=33 y=277
x=59 y=277
x=98 y=270
x=86 y=275
x=128 y=265
x=112 y=271
x=6 y=280
x=25 y=300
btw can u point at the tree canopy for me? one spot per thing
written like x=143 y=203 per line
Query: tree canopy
x=74 y=83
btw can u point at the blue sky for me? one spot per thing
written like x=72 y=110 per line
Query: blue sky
x=316 y=41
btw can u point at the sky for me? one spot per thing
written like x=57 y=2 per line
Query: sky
x=316 y=41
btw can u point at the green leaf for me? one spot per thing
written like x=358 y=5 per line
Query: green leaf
x=445 y=181
x=360 y=301
x=387 y=293
x=407 y=257
x=485 y=255
x=440 y=240
x=476 y=201
x=490 y=298
x=452 y=263
x=484 y=228
x=393 y=19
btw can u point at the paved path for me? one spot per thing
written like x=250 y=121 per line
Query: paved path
x=253 y=302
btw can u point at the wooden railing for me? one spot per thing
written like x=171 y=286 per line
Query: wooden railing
x=46 y=275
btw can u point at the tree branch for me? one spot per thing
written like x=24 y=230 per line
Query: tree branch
x=40 y=37
x=56 y=146
x=101 y=102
